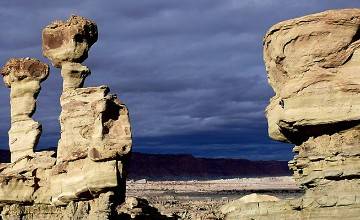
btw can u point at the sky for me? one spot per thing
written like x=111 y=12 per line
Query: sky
x=191 y=72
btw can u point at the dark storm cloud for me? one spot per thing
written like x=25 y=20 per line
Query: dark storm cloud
x=191 y=72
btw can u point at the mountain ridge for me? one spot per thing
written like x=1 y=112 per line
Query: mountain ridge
x=186 y=166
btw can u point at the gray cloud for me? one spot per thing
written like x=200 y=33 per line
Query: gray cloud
x=191 y=72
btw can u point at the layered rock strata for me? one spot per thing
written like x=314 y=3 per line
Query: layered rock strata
x=87 y=177
x=94 y=209
x=23 y=76
x=94 y=123
x=313 y=64
x=95 y=126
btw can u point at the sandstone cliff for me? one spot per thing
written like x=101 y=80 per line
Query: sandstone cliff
x=313 y=64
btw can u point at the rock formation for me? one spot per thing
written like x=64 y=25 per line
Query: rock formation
x=23 y=76
x=87 y=179
x=313 y=65
x=94 y=123
x=251 y=198
x=69 y=41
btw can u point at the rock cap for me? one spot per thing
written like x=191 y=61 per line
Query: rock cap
x=18 y=69
x=69 y=40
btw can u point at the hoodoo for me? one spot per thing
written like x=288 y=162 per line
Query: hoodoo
x=87 y=179
x=313 y=65
x=23 y=76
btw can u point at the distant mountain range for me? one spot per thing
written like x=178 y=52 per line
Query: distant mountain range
x=183 y=166
x=158 y=166
x=4 y=156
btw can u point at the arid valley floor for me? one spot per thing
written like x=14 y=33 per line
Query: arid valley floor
x=195 y=199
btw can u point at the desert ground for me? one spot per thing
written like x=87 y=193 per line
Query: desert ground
x=195 y=199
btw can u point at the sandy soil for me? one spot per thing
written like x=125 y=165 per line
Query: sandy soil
x=202 y=199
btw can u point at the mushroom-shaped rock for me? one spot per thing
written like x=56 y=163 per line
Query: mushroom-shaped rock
x=313 y=64
x=24 y=69
x=69 y=41
x=67 y=44
x=23 y=76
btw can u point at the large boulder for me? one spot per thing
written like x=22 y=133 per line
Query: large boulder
x=69 y=41
x=251 y=198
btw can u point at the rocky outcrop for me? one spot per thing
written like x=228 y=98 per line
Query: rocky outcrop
x=313 y=64
x=95 y=127
x=251 y=198
x=137 y=208
x=98 y=208
x=23 y=76
x=66 y=44
x=94 y=209
x=94 y=123
x=87 y=178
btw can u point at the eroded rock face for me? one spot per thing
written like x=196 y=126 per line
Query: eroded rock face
x=23 y=76
x=313 y=64
x=94 y=209
x=94 y=124
x=98 y=208
x=69 y=41
x=88 y=175
x=252 y=198
x=95 y=128
x=66 y=44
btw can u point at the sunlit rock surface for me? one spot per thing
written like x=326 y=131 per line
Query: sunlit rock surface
x=86 y=180
x=313 y=65
x=69 y=41
x=23 y=76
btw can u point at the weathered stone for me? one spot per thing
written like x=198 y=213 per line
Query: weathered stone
x=74 y=75
x=83 y=179
x=16 y=189
x=69 y=41
x=136 y=208
x=94 y=124
x=87 y=179
x=23 y=76
x=313 y=64
x=94 y=209
x=252 y=198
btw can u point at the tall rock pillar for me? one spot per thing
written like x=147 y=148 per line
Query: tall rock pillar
x=95 y=126
x=87 y=180
x=23 y=76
